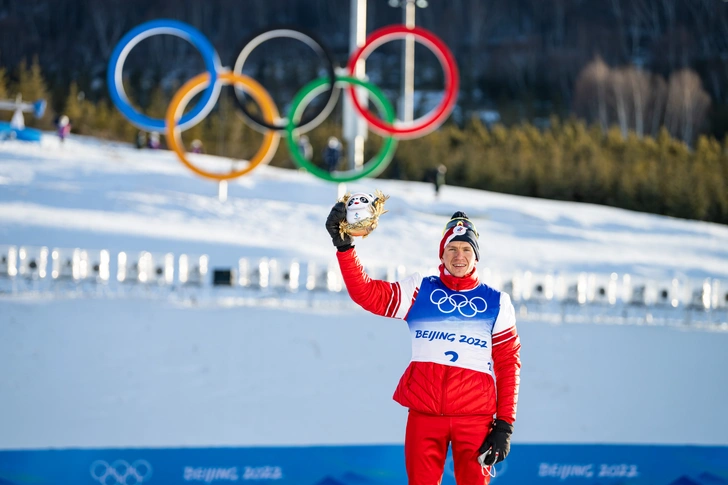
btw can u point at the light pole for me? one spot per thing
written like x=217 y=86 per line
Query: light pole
x=355 y=128
x=406 y=102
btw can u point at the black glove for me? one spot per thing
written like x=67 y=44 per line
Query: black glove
x=338 y=214
x=497 y=444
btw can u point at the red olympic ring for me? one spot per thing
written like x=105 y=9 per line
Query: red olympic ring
x=427 y=123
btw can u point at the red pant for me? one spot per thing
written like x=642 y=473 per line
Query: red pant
x=426 y=442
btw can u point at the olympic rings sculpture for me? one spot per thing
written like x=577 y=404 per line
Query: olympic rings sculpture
x=270 y=123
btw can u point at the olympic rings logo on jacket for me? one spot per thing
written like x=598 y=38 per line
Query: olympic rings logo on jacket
x=271 y=124
x=467 y=307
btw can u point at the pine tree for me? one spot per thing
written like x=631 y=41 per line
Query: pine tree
x=74 y=109
x=113 y=122
x=551 y=159
x=709 y=176
x=32 y=87
x=157 y=105
x=4 y=94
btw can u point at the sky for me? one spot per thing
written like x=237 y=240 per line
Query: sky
x=123 y=364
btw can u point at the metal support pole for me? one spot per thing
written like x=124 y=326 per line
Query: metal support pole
x=222 y=190
x=406 y=105
x=355 y=128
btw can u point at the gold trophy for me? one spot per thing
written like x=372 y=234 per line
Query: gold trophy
x=362 y=213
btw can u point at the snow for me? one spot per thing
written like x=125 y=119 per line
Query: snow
x=126 y=366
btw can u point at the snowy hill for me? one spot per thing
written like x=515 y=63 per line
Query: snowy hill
x=117 y=365
x=108 y=195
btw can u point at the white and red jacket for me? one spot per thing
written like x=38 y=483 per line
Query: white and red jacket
x=465 y=347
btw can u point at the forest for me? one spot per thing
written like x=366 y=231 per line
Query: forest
x=617 y=102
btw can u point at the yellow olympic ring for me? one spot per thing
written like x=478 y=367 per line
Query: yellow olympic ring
x=192 y=87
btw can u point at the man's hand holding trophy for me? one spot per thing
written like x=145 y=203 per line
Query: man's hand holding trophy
x=354 y=215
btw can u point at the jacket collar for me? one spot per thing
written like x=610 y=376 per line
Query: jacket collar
x=467 y=282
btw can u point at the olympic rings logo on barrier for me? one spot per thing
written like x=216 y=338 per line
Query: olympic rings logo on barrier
x=121 y=472
x=270 y=123
x=468 y=304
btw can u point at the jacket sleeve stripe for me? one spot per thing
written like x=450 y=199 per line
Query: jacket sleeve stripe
x=504 y=332
x=394 y=302
x=506 y=360
x=373 y=295
x=392 y=298
x=504 y=341
x=412 y=302
x=377 y=296
x=505 y=335
x=399 y=299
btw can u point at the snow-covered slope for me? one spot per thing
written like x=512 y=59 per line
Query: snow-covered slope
x=139 y=368
x=98 y=194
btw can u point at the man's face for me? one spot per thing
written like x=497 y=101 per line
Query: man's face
x=458 y=258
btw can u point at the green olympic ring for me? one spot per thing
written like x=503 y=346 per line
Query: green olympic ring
x=373 y=167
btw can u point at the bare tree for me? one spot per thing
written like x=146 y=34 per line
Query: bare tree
x=639 y=84
x=656 y=103
x=620 y=98
x=721 y=33
x=590 y=98
x=668 y=7
x=521 y=64
x=687 y=104
x=629 y=18
x=108 y=24
x=623 y=92
x=481 y=18
x=703 y=13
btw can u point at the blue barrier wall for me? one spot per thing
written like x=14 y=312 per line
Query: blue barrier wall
x=361 y=465
x=27 y=134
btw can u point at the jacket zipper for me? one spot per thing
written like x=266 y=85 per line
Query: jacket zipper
x=444 y=390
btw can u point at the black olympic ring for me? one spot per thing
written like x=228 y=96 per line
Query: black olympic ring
x=332 y=94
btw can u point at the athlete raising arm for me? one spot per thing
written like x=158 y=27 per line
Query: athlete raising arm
x=461 y=386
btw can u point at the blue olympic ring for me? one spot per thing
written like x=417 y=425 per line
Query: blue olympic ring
x=171 y=27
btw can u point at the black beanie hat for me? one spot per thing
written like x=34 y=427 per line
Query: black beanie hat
x=460 y=228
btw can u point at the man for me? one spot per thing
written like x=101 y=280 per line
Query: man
x=63 y=127
x=461 y=386
x=305 y=147
x=332 y=154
